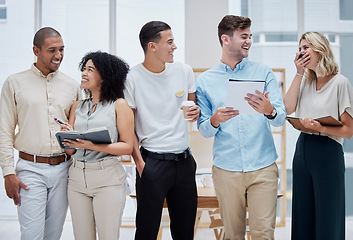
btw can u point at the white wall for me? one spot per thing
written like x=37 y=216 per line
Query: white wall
x=203 y=50
x=133 y=14
x=16 y=36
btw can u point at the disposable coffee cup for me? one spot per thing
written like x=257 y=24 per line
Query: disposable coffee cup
x=186 y=105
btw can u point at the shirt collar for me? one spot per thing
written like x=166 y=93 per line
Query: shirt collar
x=226 y=68
x=40 y=74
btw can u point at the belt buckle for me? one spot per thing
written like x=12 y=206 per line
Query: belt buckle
x=185 y=154
x=58 y=161
x=49 y=161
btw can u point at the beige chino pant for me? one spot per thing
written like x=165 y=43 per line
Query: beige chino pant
x=96 y=193
x=259 y=189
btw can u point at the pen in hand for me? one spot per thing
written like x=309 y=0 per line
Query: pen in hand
x=61 y=122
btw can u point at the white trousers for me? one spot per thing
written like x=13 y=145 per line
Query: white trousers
x=96 y=198
x=44 y=206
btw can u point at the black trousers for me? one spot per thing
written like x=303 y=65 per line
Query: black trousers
x=318 y=210
x=175 y=181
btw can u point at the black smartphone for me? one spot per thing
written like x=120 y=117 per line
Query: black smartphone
x=301 y=54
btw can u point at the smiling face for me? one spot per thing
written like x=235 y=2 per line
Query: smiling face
x=50 y=55
x=165 y=47
x=91 y=78
x=314 y=56
x=239 y=44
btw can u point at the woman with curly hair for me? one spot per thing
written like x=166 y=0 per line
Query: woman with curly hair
x=96 y=189
x=319 y=90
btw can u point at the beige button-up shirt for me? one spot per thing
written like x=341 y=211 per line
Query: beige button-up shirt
x=30 y=101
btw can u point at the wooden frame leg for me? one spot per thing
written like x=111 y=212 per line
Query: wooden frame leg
x=197 y=220
x=160 y=231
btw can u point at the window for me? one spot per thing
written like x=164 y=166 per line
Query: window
x=346 y=10
x=3 y=13
x=332 y=38
x=245 y=8
x=3 y=10
x=281 y=37
x=255 y=38
x=87 y=34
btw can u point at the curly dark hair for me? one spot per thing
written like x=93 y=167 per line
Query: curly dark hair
x=113 y=71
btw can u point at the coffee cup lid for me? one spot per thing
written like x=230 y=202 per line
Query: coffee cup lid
x=188 y=103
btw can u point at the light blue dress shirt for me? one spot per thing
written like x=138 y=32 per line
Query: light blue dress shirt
x=245 y=142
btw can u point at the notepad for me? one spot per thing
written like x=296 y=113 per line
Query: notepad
x=238 y=90
x=324 y=121
x=96 y=135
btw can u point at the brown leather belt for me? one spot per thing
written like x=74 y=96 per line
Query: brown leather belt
x=51 y=160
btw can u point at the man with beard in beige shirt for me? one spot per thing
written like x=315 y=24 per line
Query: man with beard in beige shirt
x=30 y=100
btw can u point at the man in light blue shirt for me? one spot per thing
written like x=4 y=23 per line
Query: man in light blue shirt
x=244 y=153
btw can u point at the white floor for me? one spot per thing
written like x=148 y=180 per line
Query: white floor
x=9 y=229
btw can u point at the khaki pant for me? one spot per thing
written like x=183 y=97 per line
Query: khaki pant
x=259 y=190
x=96 y=194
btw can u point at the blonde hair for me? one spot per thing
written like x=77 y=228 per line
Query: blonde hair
x=326 y=64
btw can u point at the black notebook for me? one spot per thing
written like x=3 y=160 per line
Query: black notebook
x=96 y=135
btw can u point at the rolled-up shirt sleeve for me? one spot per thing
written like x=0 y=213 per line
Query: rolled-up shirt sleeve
x=276 y=100
x=204 y=123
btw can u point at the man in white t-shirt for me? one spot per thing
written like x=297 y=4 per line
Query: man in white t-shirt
x=165 y=167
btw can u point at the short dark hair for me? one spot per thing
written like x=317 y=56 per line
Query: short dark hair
x=42 y=34
x=113 y=71
x=150 y=32
x=230 y=23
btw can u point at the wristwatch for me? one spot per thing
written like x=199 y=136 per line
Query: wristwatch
x=272 y=115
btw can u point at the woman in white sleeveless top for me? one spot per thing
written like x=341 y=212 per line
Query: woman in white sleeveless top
x=96 y=187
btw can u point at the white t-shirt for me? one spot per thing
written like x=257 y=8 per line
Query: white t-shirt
x=156 y=98
x=335 y=97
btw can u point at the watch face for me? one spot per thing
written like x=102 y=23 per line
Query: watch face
x=272 y=115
